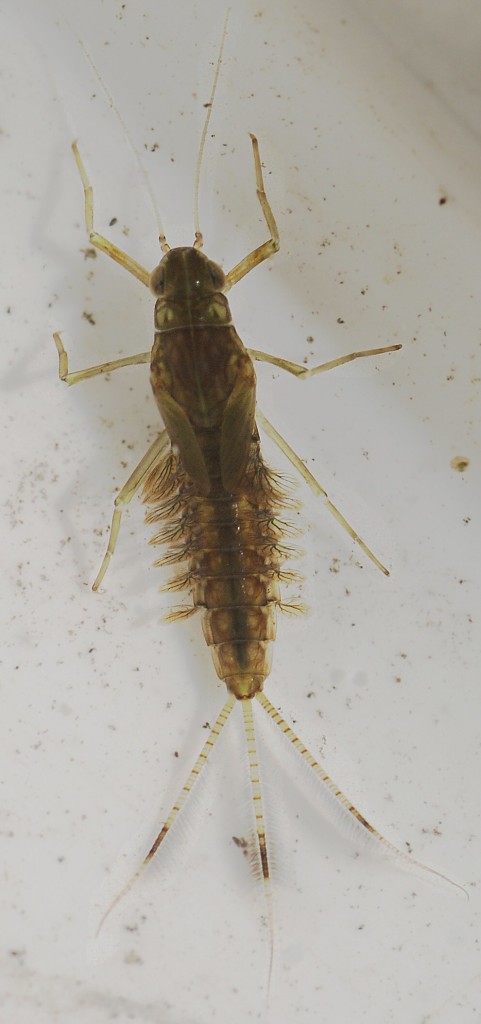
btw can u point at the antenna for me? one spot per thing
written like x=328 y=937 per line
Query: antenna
x=133 y=150
x=199 y=241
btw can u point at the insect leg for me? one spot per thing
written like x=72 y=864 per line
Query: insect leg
x=316 y=487
x=124 y=497
x=267 y=248
x=92 y=371
x=302 y=372
x=98 y=240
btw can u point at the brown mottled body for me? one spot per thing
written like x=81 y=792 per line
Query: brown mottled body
x=222 y=501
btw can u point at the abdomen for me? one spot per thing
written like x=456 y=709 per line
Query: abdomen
x=229 y=544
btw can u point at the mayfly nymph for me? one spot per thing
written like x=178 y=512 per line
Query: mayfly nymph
x=214 y=502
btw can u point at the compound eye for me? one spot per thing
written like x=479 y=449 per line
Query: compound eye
x=157 y=280
x=217 y=276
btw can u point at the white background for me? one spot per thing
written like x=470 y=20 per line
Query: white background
x=368 y=114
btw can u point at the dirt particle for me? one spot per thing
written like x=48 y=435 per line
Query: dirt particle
x=460 y=463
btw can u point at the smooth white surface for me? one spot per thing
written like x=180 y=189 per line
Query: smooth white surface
x=367 y=115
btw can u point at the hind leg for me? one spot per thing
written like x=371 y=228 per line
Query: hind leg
x=124 y=497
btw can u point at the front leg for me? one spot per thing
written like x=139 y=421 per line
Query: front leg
x=98 y=241
x=267 y=249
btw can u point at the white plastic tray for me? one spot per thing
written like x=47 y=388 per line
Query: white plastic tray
x=368 y=118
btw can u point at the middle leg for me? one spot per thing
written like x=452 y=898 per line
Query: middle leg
x=303 y=373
